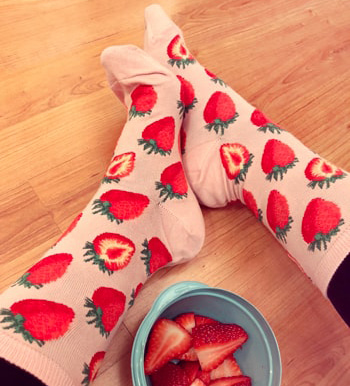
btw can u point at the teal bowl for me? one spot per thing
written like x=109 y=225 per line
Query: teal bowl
x=259 y=357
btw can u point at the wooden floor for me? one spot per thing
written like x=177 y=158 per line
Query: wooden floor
x=59 y=124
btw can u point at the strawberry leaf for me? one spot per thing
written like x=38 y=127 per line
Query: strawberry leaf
x=271 y=128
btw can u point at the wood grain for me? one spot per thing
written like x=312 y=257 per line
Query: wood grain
x=59 y=124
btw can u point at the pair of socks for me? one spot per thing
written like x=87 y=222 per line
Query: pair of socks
x=188 y=137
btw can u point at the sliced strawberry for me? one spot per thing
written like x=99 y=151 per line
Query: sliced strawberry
x=198 y=382
x=199 y=319
x=214 y=342
x=189 y=355
x=232 y=381
x=191 y=369
x=236 y=160
x=186 y=321
x=121 y=166
x=168 y=340
x=178 y=53
x=204 y=376
x=228 y=368
x=321 y=172
x=170 y=375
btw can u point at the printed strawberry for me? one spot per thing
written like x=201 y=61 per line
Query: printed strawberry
x=277 y=214
x=236 y=160
x=186 y=321
x=46 y=271
x=167 y=341
x=172 y=183
x=191 y=369
x=121 y=166
x=214 y=342
x=228 y=368
x=158 y=137
x=182 y=139
x=110 y=252
x=249 y=200
x=258 y=119
x=321 y=172
x=38 y=320
x=219 y=112
x=70 y=228
x=187 y=97
x=155 y=254
x=199 y=320
x=105 y=308
x=90 y=371
x=143 y=99
x=277 y=159
x=321 y=221
x=120 y=205
x=170 y=375
x=215 y=79
x=134 y=294
x=178 y=53
x=232 y=381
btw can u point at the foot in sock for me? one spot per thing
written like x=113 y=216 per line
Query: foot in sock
x=233 y=152
x=59 y=317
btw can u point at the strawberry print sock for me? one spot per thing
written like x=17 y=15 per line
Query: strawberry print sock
x=56 y=321
x=233 y=152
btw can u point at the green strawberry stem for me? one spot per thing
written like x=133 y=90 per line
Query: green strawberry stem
x=86 y=372
x=102 y=207
x=95 y=258
x=96 y=314
x=270 y=127
x=167 y=191
x=184 y=109
x=243 y=172
x=17 y=321
x=281 y=233
x=107 y=180
x=218 y=80
x=132 y=300
x=321 y=239
x=218 y=124
x=147 y=256
x=151 y=146
x=327 y=181
x=23 y=280
x=134 y=113
x=279 y=171
x=181 y=62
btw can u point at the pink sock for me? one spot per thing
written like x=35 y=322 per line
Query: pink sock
x=59 y=317
x=233 y=152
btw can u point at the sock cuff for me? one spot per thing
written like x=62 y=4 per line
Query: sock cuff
x=23 y=356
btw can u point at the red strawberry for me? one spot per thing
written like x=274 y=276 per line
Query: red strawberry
x=199 y=319
x=173 y=182
x=189 y=355
x=198 y=382
x=158 y=137
x=134 y=294
x=38 y=320
x=214 y=342
x=186 y=321
x=71 y=227
x=119 y=205
x=170 y=375
x=121 y=166
x=228 y=368
x=249 y=200
x=215 y=79
x=232 y=381
x=178 y=53
x=187 y=97
x=236 y=160
x=191 y=369
x=90 y=371
x=277 y=159
x=321 y=221
x=182 y=139
x=277 y=214
x=105 y=308
x=321 y=172
x=143 y=99
x=219 y=112
x=110 y=251
x=258 y=119
x=155 y=254
x=46 y=270
x=167 y=341
x=204 y=376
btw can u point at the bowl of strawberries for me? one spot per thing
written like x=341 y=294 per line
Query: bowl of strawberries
x=196 y=335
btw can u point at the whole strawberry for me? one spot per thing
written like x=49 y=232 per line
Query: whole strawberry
x=121 y=166
x=172 y=183
x=277 y=214
x=143 y=99
x=236 y=160
x=46 y=271
x=258 y=119
x=187 y=96
x=159 y=136
x=249 y=200
x=215 y=79
x=105 y=309
x=134 y=294
x=38 y=320
x=90 y=371
x=321 y=221
x=322 y=173
x=178 y=53
x=277 y=159
x=120 y=205
x=110 y=252
x=219 y=112
x=155 y=254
